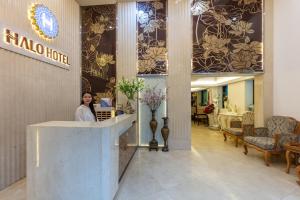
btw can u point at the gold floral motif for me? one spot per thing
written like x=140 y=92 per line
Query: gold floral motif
x=146 y=66
x=98 y=28
x=158 y=5
x=152 y=52
x=92 y=48
x=98 y=64
x=221 y=18
x=103 y=60
x=244 y=59
x=245 y=55
x=241 y=28
x=227 y=38
x=103 y=19
x=212 y=44
x=151 y=26
x=246 y=2
x=254 y=46
x=156 y=53
x=161 y=43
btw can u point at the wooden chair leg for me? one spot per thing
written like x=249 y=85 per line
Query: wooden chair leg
x=246 y=149
x=288 y=161
x=236 y=141
x=225 y=137
x=298 y=173
x=267 y=156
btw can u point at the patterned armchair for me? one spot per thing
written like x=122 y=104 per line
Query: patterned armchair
x=271 y=139
x=239 y=129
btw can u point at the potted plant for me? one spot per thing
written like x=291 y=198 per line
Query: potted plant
x=153 y=99
x=130 y=88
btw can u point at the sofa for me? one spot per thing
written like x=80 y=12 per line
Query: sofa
x=271 y=139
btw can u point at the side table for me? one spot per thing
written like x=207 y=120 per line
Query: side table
x=292 y=149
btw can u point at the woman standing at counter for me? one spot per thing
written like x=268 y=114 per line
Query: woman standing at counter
x=86 y=111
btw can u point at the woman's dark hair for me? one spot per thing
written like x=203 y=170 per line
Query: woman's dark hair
x=91 y=105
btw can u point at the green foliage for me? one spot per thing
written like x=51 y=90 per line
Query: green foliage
x=130 y=87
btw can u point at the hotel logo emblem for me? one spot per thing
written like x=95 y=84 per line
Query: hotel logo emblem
x=44 y=21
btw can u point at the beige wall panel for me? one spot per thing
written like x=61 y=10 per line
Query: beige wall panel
x=179 y=70
x=286 y=58
x=32 y=91
x=126 y=44
x=263 y=86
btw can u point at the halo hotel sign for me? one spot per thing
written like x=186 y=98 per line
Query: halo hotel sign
x=46 y=25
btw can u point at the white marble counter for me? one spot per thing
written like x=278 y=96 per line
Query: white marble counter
x=68 y=160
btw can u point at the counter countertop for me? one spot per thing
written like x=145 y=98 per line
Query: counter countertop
x=79 y=124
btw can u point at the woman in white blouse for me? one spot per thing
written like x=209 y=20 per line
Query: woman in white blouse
x=86 y=111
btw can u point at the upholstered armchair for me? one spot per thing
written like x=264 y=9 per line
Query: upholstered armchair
x=271 y=139
x=239 y=129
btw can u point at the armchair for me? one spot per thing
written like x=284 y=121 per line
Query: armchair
x=238 y=129
x=271 y=139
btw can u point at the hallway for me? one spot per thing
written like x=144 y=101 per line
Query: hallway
x=213 y=170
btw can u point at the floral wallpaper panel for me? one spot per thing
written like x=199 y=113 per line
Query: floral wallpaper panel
x=152 y=51
x=99 y=51
x=227 y=36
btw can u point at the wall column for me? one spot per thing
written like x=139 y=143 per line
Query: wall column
x=179 y=36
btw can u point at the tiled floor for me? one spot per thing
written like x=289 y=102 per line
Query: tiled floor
x=213 y=170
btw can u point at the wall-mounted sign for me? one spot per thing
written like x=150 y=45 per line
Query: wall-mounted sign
x=44 y=21
x=15 y=41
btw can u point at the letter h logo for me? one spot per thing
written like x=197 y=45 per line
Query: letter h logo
x=47 y=22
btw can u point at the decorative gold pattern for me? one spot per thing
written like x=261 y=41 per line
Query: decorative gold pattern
x=227 y=36
x=99 y=51
x=152 y=51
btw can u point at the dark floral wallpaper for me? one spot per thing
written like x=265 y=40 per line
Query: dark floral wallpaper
x=152 y=51
x=227 y=36
x=99 y=51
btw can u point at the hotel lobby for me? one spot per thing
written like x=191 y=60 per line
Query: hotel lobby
x=149 y=99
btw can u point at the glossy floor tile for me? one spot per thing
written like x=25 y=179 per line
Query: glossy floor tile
x=212 y=170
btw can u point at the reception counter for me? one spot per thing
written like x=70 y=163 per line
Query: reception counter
x=69 y=160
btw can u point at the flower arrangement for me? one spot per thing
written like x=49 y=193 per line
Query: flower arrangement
x=209 y=109
x=130 y=87
x=153 y=98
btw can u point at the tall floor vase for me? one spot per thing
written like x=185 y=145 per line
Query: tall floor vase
x=153 y=144
x=165 y=134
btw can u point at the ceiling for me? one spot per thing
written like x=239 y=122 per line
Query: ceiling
x=201 y=83
x=99 y=2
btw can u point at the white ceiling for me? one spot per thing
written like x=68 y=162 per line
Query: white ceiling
x=201 y=83
x=99 y=2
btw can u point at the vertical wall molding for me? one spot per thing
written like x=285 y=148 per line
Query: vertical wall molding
x=126 y=44
x=179 y=79
x=263 y=84
x=32 y=91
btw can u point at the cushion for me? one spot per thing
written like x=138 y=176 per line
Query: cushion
x=266 y=143
x=234 y=131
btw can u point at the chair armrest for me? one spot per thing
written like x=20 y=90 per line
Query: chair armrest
x=289 y=138
x=261 y=132
x=235 y=124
